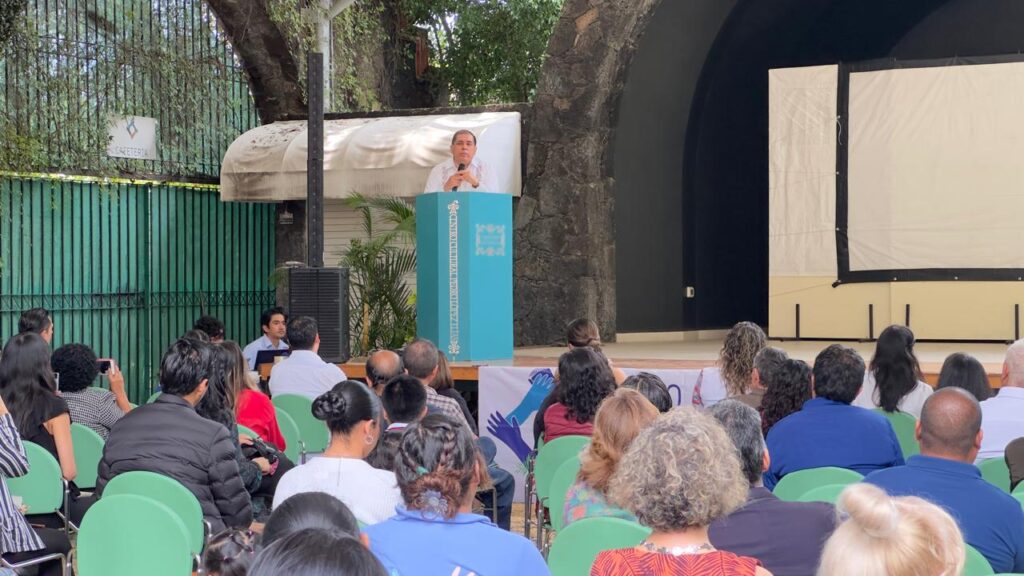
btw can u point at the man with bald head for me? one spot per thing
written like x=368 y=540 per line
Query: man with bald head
x=950 y=436
x=382 y=366
x=1003 y=415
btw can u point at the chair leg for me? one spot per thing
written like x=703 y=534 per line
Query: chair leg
x=528 y=503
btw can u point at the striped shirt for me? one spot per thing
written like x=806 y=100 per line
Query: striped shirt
x=17 y=535
x=95 y=408
x=437 y=403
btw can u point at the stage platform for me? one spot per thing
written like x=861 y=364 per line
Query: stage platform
x=682 y=353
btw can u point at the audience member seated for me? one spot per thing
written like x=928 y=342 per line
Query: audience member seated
x=199 y=335
x=444 y=384
x=652 y=387
x=964 y=371
x=316 y=552
x=439 y=469
x=37 y=321
x=904 y=536
x=229 y=553
x=19 y=541
x=893 y=381
x=584 y=380
x=303 y=372
x=786 y=394
x=421 y=359
x=1014 y=457
x=767 y=363
x=28 y=388
x=1002 y=416
x=753 y=529
x=310 y=510
x=828 y=431
x=253 y=409
x=381 y=367
x=352 y=413
x=679 y=475
x=168 y=437
x=91 y=406
x=583 y=333
x=272 y=322
x=619 y=419
x=405 y=402
x=212 y=327
x=950 y=435
x=735 y=366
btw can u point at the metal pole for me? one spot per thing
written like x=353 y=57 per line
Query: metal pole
x=315 y=161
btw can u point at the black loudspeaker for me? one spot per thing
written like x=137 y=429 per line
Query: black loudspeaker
x=322 y=293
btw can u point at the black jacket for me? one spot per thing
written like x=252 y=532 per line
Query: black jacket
x=169 y=438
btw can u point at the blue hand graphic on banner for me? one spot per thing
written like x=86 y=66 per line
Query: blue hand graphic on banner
x=509 y=434
x=541 y=383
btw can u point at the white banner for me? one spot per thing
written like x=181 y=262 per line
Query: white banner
x=133 y=137
x=509 y=398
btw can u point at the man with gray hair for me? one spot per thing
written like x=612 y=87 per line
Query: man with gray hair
x=767 y=362
x=753 y=529
x=1002 y=416
x=464 y=172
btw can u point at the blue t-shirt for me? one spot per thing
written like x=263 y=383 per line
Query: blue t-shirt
x=992 y=521
x=414 y=544
x=829 y=433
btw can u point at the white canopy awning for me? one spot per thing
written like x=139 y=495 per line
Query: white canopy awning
x=372 y=156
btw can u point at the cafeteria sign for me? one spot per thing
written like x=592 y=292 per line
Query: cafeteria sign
x=133 y=137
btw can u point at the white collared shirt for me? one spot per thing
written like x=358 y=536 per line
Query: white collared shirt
x=484 y=175
x=259 y=345
x=1002 y=420
x=304 y=373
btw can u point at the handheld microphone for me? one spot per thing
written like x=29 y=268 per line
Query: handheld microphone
x=461 y=168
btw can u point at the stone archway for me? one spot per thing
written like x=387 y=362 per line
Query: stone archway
x=565 y=240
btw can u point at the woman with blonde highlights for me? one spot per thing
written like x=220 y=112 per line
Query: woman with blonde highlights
x=904 y=536
x=619 y=419
x=735 y=366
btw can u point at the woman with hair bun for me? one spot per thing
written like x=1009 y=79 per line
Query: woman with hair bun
x=352 y=413
x=438 y=470
x=903 y=536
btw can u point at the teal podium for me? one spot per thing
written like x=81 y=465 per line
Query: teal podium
x=464 y=274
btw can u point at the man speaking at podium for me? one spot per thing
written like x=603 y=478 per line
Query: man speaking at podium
x=464 y=172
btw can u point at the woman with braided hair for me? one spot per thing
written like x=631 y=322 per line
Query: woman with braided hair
x=439 y=469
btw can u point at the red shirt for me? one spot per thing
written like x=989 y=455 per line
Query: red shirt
x=557 y=423
x=256 y=412
x=630 y=561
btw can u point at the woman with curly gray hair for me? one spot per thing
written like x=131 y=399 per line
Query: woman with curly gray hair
x=679 y=475
x=735 y=366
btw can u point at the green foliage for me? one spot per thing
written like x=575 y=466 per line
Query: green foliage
x=10 y=12
x=487 y=50
x=382 y=304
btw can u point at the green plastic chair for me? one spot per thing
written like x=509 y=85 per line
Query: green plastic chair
x=796 y=484
x=976 y=564
x=549 y=458
x=247 y=431
x=828 y=493
x=577 y=545
x=564 y=477
x=995 y=471
x=290 y=431
x=88 y=453
x=128 y=535
x=43 y=489
x=313 y=432
x=904 y=425
x=153 y=396
x=168 y=492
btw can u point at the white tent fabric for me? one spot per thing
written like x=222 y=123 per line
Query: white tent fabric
x=371 y=156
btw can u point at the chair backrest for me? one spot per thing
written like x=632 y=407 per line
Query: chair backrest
x=88 y=452
x=578 y=544
x=828 y=493
x=247 y=431
x=904 y=425
x=153 y=396
x=290 y=431
x=551 y=456
x=564 y=477
x=167 y=491
x=312 y=431
x=128 y=535
x=42 y=489
x=976 y=564
x=995 y=471
x=796 y=484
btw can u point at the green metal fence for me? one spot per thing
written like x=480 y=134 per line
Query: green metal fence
x=127 y=268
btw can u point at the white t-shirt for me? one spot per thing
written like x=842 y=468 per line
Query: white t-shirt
x=484 y=175
x=370 y=494
x=305 y=374
x=912 y=403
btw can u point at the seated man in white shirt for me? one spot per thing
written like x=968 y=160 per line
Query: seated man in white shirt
x=303 y=372
x=272 y=321
x=464 y=172
x=1002 y=416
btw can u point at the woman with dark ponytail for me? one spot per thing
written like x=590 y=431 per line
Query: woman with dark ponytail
x=438 y=470
x=352 y=413
x=893 y=381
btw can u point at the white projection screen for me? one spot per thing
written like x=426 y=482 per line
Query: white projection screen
x=934 y=173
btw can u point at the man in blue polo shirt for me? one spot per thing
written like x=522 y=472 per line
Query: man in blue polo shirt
x=828 y=431
x=949 y=433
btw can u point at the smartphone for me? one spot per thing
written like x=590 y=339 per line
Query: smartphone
x=103 y=364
